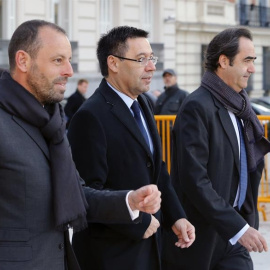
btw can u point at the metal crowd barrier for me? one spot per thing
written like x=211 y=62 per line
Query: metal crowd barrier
x=164 y=126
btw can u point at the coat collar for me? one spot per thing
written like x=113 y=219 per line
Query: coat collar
x=122 y=112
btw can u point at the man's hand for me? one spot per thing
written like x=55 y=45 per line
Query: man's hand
x=152 y=228
x=185 y=232
x=146 y=199
x=252 y=240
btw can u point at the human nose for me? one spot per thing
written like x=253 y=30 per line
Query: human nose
x=251 y=68
x=68 y=70
x=150 y=65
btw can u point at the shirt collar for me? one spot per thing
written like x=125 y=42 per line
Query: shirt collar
x=128 y=101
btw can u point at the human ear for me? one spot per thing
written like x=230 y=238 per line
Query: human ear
x=22 y=60
x=112 y=63
x=223 y=61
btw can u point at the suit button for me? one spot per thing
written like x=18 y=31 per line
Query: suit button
x=148 y=164
x=61 y=246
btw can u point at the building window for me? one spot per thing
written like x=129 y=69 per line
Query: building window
x=266 y=69
x=147 y=16
x=105 y=16
x=254 y=13
x=203 y=52
x=1 y=20
x=56 y=13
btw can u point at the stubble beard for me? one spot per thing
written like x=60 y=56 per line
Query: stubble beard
x=42 y=88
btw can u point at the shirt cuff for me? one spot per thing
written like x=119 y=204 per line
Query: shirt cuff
x=133 y=214
x=234 y=239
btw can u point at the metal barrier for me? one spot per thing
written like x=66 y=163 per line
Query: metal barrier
x=264 y=192
x=164 y=126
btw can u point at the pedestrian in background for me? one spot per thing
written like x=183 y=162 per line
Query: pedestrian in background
x=169 y=102
x=75 y=101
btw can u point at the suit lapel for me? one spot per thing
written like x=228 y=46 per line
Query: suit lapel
x=151 y=126
x=122 y=112
x=34 y=133
x=229 y=130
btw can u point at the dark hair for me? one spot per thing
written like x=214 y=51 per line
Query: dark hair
x=114 y=42
x=227 y=43
x=26 y=38
x=81 y=81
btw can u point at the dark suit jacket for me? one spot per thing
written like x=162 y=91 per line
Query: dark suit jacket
x=74 y=102
x=169 y=102
x=205 y=173
x=111 y=153
x=28 y=237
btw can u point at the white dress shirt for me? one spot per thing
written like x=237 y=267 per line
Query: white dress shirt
x=234 y=239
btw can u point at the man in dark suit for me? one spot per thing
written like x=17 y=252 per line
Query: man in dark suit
x=75 y=101
x=218 y=160
x=41 y=191
x=121 y=143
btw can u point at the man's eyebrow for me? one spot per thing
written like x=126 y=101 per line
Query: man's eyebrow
x=143 y=53
x=250 y=58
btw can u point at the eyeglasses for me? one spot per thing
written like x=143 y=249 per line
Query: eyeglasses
x=143 y=60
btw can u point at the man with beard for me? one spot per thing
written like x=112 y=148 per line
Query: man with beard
x=41 y=192
x=115 y=132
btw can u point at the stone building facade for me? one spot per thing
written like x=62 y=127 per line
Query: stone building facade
x=179 y=32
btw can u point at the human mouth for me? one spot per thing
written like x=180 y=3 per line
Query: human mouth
x=61 y=84
x=247 y=76
x=147 y=79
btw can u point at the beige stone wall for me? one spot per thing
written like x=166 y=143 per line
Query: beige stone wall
x=183 y=26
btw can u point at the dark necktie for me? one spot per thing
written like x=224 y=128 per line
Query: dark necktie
x=243 y=166
x=136 y=110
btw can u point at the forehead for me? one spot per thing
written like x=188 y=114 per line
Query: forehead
x=53 y=41
x=139 y=46
x=246 y=47
x=168 y=75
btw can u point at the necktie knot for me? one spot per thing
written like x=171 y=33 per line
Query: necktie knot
x=136 y=109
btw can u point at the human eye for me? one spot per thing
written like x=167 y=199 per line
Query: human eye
x=58 y=60
x=249 y=60
x=142 y=59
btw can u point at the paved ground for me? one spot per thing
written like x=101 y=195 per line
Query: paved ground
x=262 y=260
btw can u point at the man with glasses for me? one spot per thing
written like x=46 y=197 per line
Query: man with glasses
x=116 y=146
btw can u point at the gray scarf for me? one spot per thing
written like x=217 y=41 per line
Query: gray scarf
x=238 y=103
x=69 y=202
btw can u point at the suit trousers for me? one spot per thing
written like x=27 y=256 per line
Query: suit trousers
x=225 y=257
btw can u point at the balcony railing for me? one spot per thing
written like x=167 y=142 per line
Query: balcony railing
x=255 y=16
